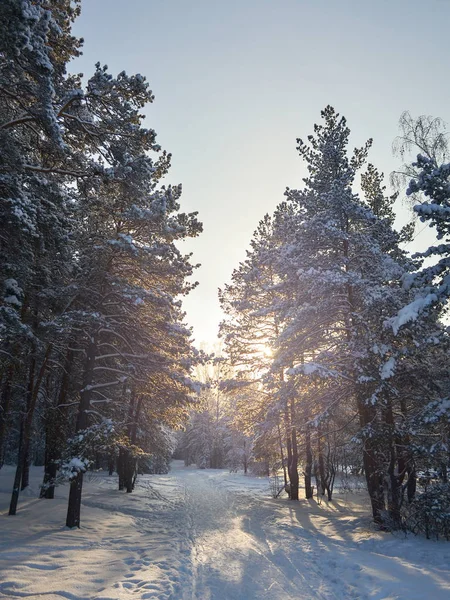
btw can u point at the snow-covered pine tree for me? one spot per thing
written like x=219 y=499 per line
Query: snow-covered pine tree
x=432 y=282
x=252 y=304
x=35 y=244
x=429 y=288
x=131 y=273
x=339 y=265
x=91 y=276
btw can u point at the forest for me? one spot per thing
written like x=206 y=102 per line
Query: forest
x=333 y=352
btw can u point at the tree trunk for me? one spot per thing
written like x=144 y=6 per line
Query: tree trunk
x=23 y=449
x=293 y=471
x=130 y=467
x=406 y=461
x=394 y=495
x=373 y=467
x=129 y=461
x=411 y=484
x=283 y=463
x=76 y=485
x=289 y=456
x=48 y=485
x=32 y=395
x=321 y=464
x=74 y=506
x=121 y=468
x=5 y=404
x=308 y=465
x=331 y=466
x=17 y=475
x=54 y=433
x=374 y=481
x=25 y=470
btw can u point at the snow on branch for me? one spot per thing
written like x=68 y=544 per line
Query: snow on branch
x=410 y=312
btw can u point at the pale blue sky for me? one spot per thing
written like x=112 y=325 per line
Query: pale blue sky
x=237 y=82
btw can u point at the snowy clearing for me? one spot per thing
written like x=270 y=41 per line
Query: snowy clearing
x=196 y=534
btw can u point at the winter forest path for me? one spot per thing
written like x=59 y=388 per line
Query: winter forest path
x=248 y=546
x=232 y=553
x=208 y=535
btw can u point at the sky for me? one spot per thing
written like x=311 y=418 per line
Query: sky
x=237 y=82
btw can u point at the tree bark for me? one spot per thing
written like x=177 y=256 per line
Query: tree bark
x=283 y=464
x=293 y=471
x=33 y=392
x=372 y=467
x=308 y=465
x=288 y=448
x=4 y=410
x=121 y=468
x=394 y=493
x=76 y=485
x=322 y=475
x=25 y=470
x=54 y=434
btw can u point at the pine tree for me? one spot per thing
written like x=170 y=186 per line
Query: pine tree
x=342 y=267
x=91 y=277
x=252 y=303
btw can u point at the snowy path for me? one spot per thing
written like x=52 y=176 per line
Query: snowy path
x=209 y=535
x=234 y=555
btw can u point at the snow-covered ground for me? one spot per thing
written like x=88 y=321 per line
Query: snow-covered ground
x=205 y=535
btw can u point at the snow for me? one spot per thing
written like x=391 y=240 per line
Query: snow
x=13 y=300
x=387 y=370
x=410 y=312
x=208 y=535
x=310 y=368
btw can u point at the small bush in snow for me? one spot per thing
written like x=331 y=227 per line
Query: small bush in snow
x=429 y=513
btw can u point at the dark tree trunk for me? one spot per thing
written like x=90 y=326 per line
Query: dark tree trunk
x=130 y=467
x=331 y=468
x=25 y=470
x=373 y=468
x=121 y=468
x=48 y=487
x=5 y=404
x=289 y=454
x=291 y=459
x=308 y=465
x=394 y=487
x=23 y=445
x=283 y=462
x=76 y=485
x=374 y=479
x=17 y=475
x=406 y=461
x=32 y=394
x=293 y=471
x=55 y=433
x=321 y=464
x=411 y=484
x=74 y=506
x=128 y=460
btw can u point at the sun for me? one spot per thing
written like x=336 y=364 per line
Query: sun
x=267 y=350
